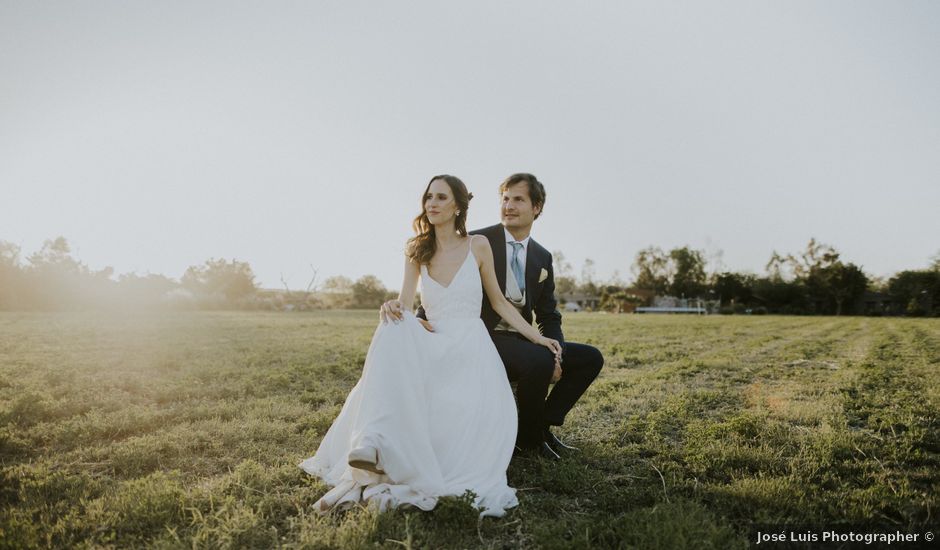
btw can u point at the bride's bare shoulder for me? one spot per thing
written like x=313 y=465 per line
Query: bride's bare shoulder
x=480 y=246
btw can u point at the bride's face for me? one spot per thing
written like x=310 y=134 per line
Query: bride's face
x=439 y=203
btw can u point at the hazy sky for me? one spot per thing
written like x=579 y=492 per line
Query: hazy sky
x=155 y=135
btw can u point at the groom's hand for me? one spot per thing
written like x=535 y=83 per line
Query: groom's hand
x=427 y=326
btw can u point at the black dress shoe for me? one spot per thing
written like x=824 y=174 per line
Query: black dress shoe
x=557 y=445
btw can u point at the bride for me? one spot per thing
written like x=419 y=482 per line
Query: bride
x=433 y=413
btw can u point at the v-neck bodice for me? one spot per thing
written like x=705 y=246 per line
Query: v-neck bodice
x=461 y=298
x=457 y=274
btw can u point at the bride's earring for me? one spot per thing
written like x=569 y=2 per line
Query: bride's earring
x=458 y=212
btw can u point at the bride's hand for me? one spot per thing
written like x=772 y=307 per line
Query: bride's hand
x=390 y=310
x=551 y=344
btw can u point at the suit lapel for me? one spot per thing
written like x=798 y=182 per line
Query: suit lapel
x=498 y=243
x=531 y=273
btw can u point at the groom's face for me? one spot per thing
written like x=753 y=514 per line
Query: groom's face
x=516 y=210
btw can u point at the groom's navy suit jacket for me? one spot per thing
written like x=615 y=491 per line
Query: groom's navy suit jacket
x=539 y=295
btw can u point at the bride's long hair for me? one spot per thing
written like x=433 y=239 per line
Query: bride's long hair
x=423 y=245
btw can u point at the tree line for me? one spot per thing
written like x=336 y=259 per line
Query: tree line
x=815 y=281
x=52 y=279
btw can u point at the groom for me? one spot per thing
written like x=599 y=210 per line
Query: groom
x=524 y=270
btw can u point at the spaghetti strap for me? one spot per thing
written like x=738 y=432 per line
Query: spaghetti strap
x=471 y=247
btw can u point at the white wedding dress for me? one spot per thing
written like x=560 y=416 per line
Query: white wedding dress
x=436 y=405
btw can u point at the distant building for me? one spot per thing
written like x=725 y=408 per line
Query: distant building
x=876 y=303
x=671 y=304
x=579 y=300
x=629 y=299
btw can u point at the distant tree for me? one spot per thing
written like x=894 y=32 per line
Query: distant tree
x=935 y=262
x=715 y=260
x=917 y=290
x=337 y=283
x=816 y=255
x=914 y=308
x=688 y=272
x=651 y=267
x=232 y=280
x=829 y=284
x=780 y=296
x=368 y=292
x=151 y=288
x=55 y=257
x=847 y=284
x=836 y=284
x=734 y=287
x=681 y=272
x=776 y=266
x=11 y=277
x=617 y=299
x=588 y=285
x=565 y=285
x=587 y=272
x=9 y=254
x=589 y=288
x=565 y=282
x=337 y=292
x=560 y=265
x=877 y=283
x=311 y=285
x=56 y=280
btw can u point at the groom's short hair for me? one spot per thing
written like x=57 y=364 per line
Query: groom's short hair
x=535 y=187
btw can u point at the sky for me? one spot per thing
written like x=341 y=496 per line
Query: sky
x=300 y=135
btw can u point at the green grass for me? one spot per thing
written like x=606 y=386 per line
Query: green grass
x=184 y=430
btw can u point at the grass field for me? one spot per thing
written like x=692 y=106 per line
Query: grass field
x=184 y=430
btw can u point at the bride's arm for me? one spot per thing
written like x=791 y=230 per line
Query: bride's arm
x=482 y=250
x=393 y=309
x=409 y=285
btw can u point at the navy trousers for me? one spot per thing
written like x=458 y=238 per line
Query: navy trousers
x=531 y=366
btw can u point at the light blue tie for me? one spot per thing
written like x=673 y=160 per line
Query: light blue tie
x=516 y=265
